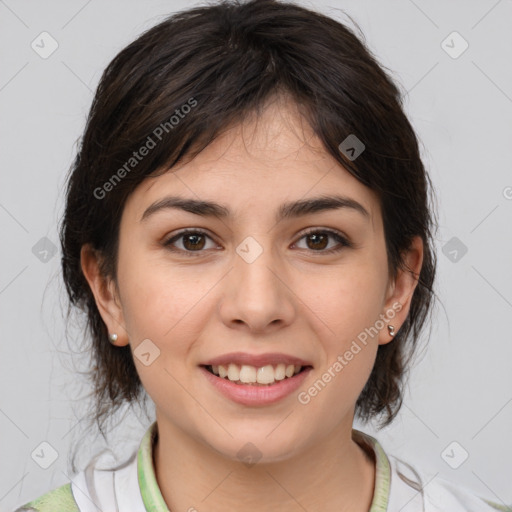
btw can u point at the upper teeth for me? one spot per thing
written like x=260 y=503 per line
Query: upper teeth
x=250 y=374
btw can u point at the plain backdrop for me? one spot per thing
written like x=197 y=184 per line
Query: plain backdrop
x=458 y=405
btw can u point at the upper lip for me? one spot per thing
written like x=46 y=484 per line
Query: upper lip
x=257 y=360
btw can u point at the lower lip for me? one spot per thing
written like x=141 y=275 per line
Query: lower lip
x=246 y=394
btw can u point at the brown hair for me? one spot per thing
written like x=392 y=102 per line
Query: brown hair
x=229 y=58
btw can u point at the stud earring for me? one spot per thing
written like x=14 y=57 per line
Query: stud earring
x=391 y=330
x=112 y=337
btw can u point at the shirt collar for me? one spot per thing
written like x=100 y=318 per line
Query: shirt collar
x=382 y=470
x=154 y=501
x=151 y=495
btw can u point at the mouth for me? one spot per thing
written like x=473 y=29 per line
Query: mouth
x=249 y=375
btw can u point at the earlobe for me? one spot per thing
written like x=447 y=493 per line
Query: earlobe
x=401 y=290
x=105 y=294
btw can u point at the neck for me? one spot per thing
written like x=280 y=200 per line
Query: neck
x=334 y=475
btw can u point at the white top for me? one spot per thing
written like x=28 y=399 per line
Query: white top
x=133 y=487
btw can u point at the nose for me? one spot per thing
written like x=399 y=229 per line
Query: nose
x=258 y=295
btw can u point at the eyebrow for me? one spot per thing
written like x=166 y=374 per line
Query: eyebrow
x=286 y=210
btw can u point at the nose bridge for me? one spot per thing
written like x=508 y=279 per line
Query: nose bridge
x=259 y=295
x=256 y=263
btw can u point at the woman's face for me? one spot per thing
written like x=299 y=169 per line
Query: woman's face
x=253 y=281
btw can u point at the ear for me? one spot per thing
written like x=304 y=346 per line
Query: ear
x=105 y=294
x=401 y=289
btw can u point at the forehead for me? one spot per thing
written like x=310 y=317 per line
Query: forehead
x=256 y=165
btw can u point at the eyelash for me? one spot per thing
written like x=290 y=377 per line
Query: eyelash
x=343 y=242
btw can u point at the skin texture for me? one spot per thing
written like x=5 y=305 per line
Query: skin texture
x=293 y=298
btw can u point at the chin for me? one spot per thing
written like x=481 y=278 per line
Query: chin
x=255 y=447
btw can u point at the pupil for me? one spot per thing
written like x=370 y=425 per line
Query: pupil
x=316 y=236
x=194 y=243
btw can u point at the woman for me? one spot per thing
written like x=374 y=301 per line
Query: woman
x=248 y=230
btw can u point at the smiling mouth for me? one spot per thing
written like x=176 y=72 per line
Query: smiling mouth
x=252 y=376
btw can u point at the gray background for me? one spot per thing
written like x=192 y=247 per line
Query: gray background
x=461 y=388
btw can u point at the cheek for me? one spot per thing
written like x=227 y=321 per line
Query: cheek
x=161 y=307
x=156 y=296
x=346 y=313
x=351 y=301
x=349 y=347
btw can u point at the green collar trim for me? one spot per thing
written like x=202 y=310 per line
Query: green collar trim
x=154 y=501
x=151 y=495
x=382 y=471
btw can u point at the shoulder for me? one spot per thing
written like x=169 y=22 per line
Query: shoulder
x=60 y=499
x=446 y=495
x=412 y=488
x=97 y=487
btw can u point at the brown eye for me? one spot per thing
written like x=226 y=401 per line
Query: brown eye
x=192 y=241
x=317 y=241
